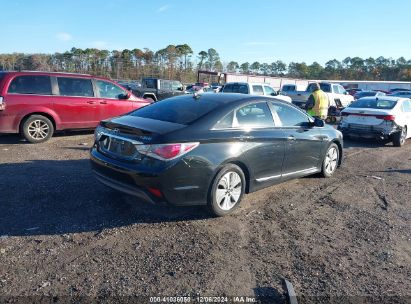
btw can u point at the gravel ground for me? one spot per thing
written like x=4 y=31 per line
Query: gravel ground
x=347 y=238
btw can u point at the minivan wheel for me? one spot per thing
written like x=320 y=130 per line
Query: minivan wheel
x=37 y=129
x=330 y=162
x=227 y=190
x=398 y=139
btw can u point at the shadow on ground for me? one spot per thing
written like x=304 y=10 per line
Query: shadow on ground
x=17 y=139
x=56 y=197
x=365 y=143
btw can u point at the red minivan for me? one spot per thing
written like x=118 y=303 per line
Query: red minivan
x=35 y=104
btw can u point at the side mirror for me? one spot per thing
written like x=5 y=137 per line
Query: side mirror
x=318 y=122
x=273 y=94
x=125 y=96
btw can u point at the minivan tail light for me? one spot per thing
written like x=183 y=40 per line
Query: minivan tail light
x=2 y=104
x=166 y=151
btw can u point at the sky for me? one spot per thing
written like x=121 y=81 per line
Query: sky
x=240 y=30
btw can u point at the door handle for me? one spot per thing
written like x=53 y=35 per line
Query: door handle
x=291 y=137
x=103 y=102
x=91 y=102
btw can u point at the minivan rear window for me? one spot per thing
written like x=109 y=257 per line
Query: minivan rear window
x=177 y=110
x=31 y=84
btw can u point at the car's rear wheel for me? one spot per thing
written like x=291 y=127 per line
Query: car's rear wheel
x=330 y=162
x=398 y=138
x=227 y=190
x=37 y=129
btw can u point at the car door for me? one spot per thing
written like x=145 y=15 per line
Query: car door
x=262 y=142
x=76 y=103
x=304 y=143
x=112 y=98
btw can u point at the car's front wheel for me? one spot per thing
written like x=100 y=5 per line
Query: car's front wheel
x=227 y=190
x=330 y=162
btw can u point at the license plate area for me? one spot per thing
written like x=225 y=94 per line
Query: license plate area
x=118 y=148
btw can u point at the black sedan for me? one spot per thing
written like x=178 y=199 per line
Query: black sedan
x=211 y=149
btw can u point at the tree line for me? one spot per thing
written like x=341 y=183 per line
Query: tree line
x=179 y=62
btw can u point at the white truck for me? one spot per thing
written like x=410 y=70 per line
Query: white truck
x=337 y=95
x=262 y=89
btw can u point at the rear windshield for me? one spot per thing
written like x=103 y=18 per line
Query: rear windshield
x=177 y=110
x=373 y=104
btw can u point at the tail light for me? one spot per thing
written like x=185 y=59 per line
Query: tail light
x=389 y=117
x=155 y=192
x=2 y=104
x=166 y=151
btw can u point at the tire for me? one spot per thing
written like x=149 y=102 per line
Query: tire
x=226 y=191
x=330 y=161
x=398 y=139
x=37 y=129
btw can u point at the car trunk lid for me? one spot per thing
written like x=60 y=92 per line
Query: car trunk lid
x=366 y=116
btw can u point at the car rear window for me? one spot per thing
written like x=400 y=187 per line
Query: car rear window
x=373 y=103
x=177 y=110
x=31 y=84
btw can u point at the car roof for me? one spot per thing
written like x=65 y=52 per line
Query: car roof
x=23 y=72
x=225 y=99
x=249 y=83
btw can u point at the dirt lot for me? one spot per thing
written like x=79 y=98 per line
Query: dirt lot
x=64 y=234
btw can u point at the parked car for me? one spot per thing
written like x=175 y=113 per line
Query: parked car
x=354 y=91
x=383 y=117
x=155 y=89
x=198 y=90
x=398 y=89
x=403 y=94
x=337 y=95
x=129 y=85
x=36 y=104
x=362 y=94
x=288 y=89
x=261 y=89
x=211 y=149
x=216 y=87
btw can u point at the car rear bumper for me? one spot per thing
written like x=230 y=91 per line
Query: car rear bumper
x=180 y=184
x=365 y=131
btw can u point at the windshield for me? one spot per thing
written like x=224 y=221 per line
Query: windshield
x=374 y=104
x=325 y=87
x=177 y=110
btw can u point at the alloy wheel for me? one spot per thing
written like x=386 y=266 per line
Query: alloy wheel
x=331 y=160
x=228 y=190
x=403 y=135
x=38 y=129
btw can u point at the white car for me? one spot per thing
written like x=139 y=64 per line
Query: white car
x=382 y=117
x=262 y=89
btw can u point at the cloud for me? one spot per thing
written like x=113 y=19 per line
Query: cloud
x=99 y=44
x=259 y=43
x=163 y=8
x=65 y=37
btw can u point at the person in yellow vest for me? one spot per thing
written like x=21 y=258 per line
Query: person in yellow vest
x=317 y=104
